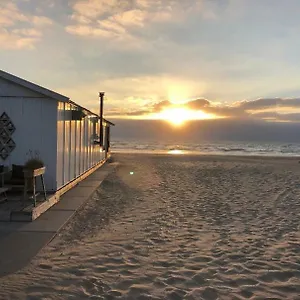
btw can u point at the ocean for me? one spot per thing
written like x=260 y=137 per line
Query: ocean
x=213 y=148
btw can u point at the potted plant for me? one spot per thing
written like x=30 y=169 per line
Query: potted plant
x=34 y=166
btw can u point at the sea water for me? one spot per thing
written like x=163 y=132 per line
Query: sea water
x=217 y=148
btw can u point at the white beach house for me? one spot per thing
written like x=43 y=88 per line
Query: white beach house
x=39 y=121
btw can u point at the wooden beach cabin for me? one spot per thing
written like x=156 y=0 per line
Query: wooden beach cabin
x=62 y=133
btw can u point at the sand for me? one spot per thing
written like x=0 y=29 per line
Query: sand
x=179 y=227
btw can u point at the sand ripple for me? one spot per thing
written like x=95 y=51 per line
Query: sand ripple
x=180 y=228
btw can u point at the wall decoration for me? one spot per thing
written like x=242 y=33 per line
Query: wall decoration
x=7 y=128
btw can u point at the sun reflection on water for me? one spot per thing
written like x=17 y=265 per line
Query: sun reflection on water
x=176 y=152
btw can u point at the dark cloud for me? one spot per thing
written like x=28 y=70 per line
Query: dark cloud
x=289 y=117
x=198 y=104
x=157 y=107
x=264 y=103
x=138 y=113
x=225 y=111
x=154 y=108
x=238 y=110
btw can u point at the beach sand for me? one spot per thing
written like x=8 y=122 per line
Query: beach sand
x=178 y=227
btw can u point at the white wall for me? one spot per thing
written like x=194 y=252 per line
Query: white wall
x=35 y=119
x=76 y=151
x=60 y=144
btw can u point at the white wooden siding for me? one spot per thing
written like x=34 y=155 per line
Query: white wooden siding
x=67 y=146
x=35 y=121
x=72 y=151
x=60 y=144
x=77 y=152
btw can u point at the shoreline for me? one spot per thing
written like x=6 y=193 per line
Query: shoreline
x=194 y=153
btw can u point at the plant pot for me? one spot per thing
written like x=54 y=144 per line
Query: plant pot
x=77 y=115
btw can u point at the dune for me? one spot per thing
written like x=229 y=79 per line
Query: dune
x=177 y=227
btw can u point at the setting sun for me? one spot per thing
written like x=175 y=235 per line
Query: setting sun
x=176 y=116
x=179 y=115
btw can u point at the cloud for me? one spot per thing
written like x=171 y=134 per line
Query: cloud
x=275 y=116
x=30 y=32
x=157 y=107
x=106 y=19
x=92 y=9
x=126 y=20
x=198 y=104
x=10 y=14
x=99 y=9
x=265 y=103
x=41 y=21
x=19 y=30
x=137 y=113
x=239 y=110
x=9 y=40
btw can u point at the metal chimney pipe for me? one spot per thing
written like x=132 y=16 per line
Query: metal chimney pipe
x=101 y=96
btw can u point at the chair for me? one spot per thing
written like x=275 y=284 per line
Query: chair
x=3 y=173
x=13 y=178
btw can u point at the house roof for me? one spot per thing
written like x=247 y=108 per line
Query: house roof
x=110 y=123
x=34 y=87
x=41 y=90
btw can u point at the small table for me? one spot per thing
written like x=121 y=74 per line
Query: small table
x=3 y=195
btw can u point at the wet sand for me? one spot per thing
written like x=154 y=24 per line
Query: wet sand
x=177 y=227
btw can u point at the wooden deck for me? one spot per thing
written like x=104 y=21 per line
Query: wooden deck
x=17 y=209
x=16 y=205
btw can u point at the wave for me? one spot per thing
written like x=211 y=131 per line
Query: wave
x=230 y=148
x=233 y=149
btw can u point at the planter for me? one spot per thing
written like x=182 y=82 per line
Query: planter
x=31 y=173
x=30 y=182
x=77 y=115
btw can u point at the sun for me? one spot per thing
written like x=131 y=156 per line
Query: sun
x=177 y=116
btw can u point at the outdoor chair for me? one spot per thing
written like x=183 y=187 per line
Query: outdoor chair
x=3 y=174
x=13 y=178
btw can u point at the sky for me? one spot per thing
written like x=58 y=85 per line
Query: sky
x=228 y=58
